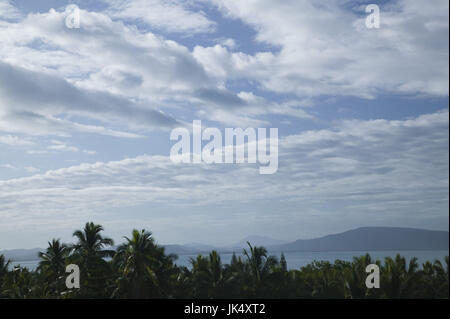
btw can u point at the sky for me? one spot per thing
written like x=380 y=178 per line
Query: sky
x=86 y=114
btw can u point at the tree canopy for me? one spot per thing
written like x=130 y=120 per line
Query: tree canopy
x=140 y=268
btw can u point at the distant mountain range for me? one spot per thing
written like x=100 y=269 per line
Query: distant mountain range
x=21 y=254
x=373 y=238
x=260 y=241
x=360 y=239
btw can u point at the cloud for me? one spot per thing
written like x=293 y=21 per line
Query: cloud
x=358 y=171
x=227 y=42
x=121 y=76
x=31 y=169
x=105 y=70
x=168 y=16
x=61 y=146
x=8 y=166
x=325 y=49
x=36 y=124
x=14 y=140
x=25 y=91
x=8 y=11
x=37 y=152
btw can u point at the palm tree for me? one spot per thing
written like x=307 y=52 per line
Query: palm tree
x=89 y=254
x=216 y=274
x=434 y=279
x=355 y=277
x=53 y=262
x=209 y=277
x=283 y=263
x=397 y=279
x=24 y=284
x=201 y=277
x=143 y=266
x=135 y=258
x=4 y=272
x=442 y=279
x=4 y=266
x=260 y=266
x=91 y=242
x=323 y=279
x=237 y=277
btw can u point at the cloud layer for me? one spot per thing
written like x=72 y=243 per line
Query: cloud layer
x=327 y=49
x=80 y=107
x=376 y=170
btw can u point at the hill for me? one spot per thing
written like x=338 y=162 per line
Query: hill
x=372 y=238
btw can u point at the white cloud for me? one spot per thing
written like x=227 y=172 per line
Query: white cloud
x=14 y=140
x=113 y=77
x=26 y=100
x=166 y=15
x=131 y=80
x=61 y=146
x=227 y=42
x=359 y=171
x=105 y=71
x=325 y=49
x=8 y=166
x=37 y=152
x=8 y=11
x=31 y=169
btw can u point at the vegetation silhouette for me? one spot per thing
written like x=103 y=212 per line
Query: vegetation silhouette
x=140 y=268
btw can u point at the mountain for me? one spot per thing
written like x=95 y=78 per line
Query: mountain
x=200 y=247
x=255 y=240
x=21 y=254
x=360 y=239
x=180 y=250
x=372 y=238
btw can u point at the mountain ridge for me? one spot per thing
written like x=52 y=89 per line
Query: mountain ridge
x=373 y=238
x=358 y=239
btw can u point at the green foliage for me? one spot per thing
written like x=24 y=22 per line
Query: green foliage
x=89 y=254
x=52 y=266
x=140 y=268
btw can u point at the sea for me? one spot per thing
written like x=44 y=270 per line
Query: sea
x=295 y=260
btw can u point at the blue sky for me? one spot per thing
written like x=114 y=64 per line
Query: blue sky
x=86 y=115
